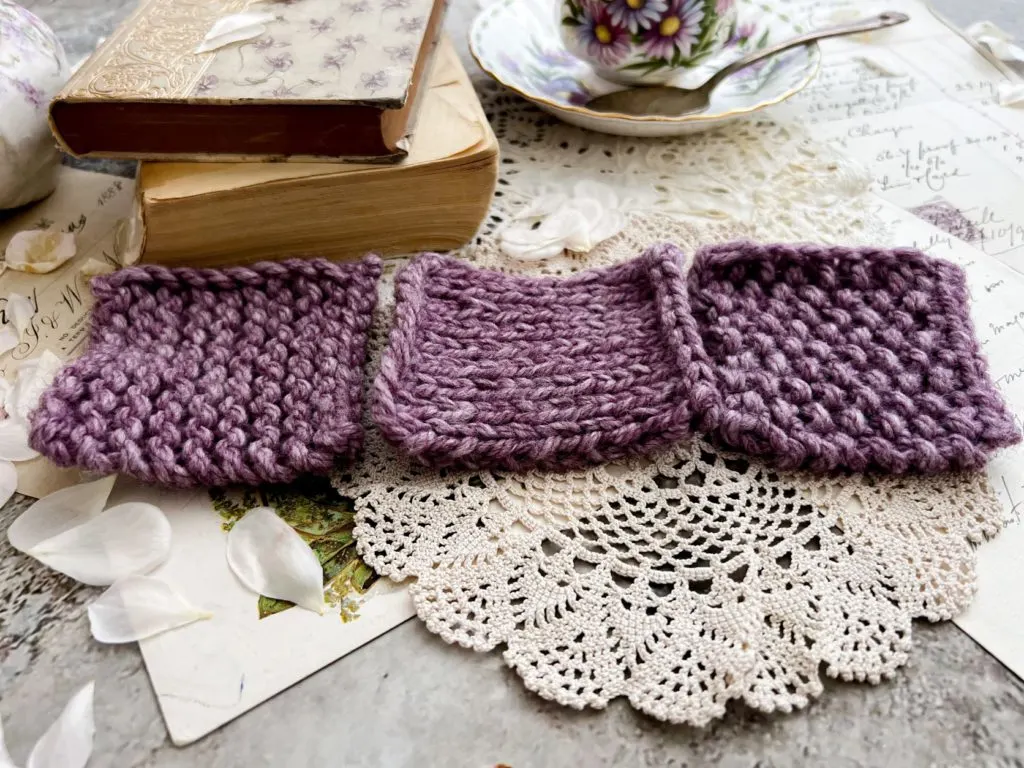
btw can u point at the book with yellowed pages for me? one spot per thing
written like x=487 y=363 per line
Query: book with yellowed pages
x=215 y=214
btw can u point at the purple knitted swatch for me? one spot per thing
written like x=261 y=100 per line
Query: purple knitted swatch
x=214 y=377
x=485 y=369
x=857 y=358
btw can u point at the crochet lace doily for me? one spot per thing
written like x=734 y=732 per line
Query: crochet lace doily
x=772 y=178
x=680 y=582
x=697 y=577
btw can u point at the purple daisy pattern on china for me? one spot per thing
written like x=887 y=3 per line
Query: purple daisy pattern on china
x=563 y=87
x=554 y=57
x=742 y=33
x=603 y=39
x=677 y=31
x=510 y=64
x=31 y=93
x=644 y=36
x=636 y=15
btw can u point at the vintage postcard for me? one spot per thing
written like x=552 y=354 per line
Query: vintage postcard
x=94 y=207
x=208 y=673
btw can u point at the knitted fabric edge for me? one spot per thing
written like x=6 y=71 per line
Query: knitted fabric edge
x=955 y=301
x=661 y=265
x=358 y=280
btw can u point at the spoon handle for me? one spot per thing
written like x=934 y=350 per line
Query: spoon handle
x=869 y=24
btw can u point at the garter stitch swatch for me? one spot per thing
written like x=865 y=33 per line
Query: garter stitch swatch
x=485 y=369
x=213 y=377
x=856 y=358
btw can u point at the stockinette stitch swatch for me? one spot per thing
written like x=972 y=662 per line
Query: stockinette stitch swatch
x=485 y=369
x=213 y=377
x=856 y=358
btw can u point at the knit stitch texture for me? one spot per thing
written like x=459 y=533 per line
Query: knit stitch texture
x=857 y=358
x=485 y=369
x=214 y=377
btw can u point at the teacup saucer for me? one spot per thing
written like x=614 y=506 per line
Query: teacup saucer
x=517 y=43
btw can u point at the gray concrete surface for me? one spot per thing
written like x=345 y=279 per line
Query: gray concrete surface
x=409 y=700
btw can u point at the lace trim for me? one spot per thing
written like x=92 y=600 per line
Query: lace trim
x=681 y=582
x=771 y=178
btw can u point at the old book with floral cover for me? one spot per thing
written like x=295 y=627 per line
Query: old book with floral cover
x=216 y=214
x=306 y=80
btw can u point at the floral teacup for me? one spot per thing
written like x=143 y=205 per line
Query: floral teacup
x=643 y=42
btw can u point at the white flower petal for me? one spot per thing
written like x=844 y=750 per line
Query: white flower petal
x=68 y=742
x=1011 y=94
x=999 y=41
x=59 y=512
x=236 y=28
x=14 y=441
x=39 y=251
x=610 y=224
x=543 y=205
x=568 y=223
x=271 y=559
x=8 y=339
x=987 y=28
x=124 y=540
x=594 y=190
x=525 y=251
x=19 y=312
x=33 y=377
x=5 y=756
x=530 y=243
x=583 y=215
x=1004 y=51
x=94 y=267
x=138 y=607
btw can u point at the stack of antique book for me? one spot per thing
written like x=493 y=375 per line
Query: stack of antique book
x=289 y=128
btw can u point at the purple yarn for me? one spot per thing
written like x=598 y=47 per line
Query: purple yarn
x=858 y=358
x=214 y=377
x=485 y=369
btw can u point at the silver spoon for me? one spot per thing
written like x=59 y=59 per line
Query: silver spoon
x=668 y=101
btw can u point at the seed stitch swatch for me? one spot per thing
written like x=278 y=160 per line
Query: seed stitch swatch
x=845 y=358
x=211 y=377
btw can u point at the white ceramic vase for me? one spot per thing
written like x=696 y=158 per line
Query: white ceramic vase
x=33 y=67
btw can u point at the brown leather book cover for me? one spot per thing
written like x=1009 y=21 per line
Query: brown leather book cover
x=323 y=80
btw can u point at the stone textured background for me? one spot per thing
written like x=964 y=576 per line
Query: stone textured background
x=408 y=699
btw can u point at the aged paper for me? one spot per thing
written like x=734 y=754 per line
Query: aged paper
x=996 y=617
x=208 y=673
x=92 y=206
x=918 y=105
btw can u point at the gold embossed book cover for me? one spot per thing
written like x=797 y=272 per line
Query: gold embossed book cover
x=321 y=79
